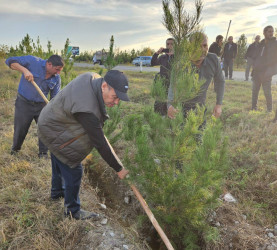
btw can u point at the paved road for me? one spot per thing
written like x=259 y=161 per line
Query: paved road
x=121 y=67
x=237 y=75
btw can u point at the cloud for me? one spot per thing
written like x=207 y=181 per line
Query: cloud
x=90 y=23
x=247 y=16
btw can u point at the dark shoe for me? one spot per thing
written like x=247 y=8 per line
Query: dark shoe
x=14 y=152
x=231 y=78
x=83 y=215
x=57 y=197
x=43 y=156
x=226 y=77
x=246 y=80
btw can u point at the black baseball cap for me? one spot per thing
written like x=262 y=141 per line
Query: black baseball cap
x=119 y=82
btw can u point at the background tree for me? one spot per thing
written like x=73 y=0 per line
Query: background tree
x=4 y=50
x=110 y=61
x=181 y=172
x=37 y=49
x=68 y=64
x=50 y=52
x=84 y=57
x=242 y=48
x=25 y=46
x=178 y=21
x=134 y=54
x=147 y=51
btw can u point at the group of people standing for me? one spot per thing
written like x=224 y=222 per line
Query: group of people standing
x=205 y=64
x=260 y=55
x=227 y=55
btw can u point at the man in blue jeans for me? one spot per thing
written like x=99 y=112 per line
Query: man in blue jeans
x=71 y=126
x=29 y=103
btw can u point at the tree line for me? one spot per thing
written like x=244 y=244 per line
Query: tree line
x=29 y=46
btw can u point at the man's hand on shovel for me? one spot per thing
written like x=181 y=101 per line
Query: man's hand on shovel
x=122 y=173
x=28 y=76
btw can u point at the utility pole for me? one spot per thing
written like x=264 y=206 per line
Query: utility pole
x=228 y=30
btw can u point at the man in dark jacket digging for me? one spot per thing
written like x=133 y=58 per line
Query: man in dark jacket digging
x=71 y=126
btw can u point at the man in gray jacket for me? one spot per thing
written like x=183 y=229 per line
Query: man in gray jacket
x=71 y=126
x=208 y=67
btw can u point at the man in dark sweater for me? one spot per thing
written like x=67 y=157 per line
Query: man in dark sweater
x=229 y=55
x=71 y=126
x=216 y=46
x=264 y=67
x=250 y=55
x=164 y=62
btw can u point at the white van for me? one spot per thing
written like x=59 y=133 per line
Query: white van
x=145 y=60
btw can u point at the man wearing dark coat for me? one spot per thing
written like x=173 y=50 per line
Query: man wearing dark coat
x=216 y=46
x=250 y=55
x=229 y=54
x=264 y=67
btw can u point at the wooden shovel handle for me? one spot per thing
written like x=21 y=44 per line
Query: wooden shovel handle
x=40 y=92
x=152 y=218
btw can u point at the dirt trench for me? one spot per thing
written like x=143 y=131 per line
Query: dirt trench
x=121 y=203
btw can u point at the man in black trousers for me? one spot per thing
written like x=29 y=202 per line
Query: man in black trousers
x=29 y=103
x=264 y=67
x=164 y=60
x=250 y=55
x=229 y=55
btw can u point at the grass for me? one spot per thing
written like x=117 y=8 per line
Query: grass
x=29 y=220
x=252 y=152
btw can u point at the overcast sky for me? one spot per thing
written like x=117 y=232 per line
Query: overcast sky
x=89 y=24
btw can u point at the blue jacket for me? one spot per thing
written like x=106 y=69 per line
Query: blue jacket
x=37 y=67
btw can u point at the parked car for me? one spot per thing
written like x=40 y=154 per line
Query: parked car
x=145 y=60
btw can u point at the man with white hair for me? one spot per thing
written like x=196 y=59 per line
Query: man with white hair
x=71 y=124
x=208 y=67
